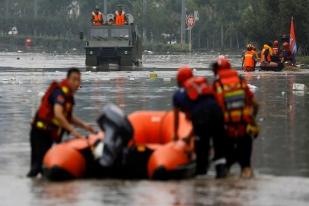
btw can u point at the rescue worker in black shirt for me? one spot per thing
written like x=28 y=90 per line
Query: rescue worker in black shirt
x=53 y=118
x=196 y=98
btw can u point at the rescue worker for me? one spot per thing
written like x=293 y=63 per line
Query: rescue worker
x=196 y=99
x=256 y=54
x=286 y=53
x=276 y=52
x=120 y=17
x=97 y=17
x=54 y=117
x=249 y=59
x=266 y=54
x=239 y=108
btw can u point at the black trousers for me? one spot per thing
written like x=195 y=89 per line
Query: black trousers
x=239 y=150
x=208 y=124
x=41 y=142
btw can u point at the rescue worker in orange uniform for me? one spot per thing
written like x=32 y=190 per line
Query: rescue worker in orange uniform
x=256 y=55
x=196 y=98
x=97 y=17
x=239 y=108
x=120 y=17
x=249 y=59
x=55 y=117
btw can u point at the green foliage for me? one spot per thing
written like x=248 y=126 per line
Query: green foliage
x=224 y=24
x=303 y=60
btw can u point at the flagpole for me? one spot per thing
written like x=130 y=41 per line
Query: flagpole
x=293 y=45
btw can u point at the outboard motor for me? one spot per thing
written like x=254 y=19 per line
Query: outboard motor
x=118 y=132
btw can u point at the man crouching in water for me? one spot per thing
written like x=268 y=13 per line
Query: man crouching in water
x=196 y=98
x=53 y=118
x=240 y=109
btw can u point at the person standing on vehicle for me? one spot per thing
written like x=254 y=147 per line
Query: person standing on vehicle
x=55 y=117
x=97 y=17
x=120 y=17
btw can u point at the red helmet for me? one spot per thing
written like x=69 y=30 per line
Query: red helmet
x=223 y=62
x=184 y=73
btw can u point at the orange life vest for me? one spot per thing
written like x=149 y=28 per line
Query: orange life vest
x=249 y=61
x=196 y=87
x=45 y=118
x=119 y=18
x=236 y=101
x=268 y=57
x=97 y=19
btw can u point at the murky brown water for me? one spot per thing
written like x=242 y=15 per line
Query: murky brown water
x=281 y=154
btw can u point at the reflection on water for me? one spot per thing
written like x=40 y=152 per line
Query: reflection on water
x=282 y=148
x=263 y=190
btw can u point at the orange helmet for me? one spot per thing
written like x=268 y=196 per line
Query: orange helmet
x=184 y=73
x=223 y=62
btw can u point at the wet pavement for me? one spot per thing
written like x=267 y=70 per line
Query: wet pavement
x=280 y=159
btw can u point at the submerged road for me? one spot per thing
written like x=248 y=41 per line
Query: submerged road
x=281 y=155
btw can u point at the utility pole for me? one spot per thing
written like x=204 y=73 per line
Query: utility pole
x=35 y=8
x=182 y=22
x=144 y=14
x=7 y=8
x=105 y=7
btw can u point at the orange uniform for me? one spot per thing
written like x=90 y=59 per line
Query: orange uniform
x=249 y=61
x=236 y=101
x=120 y=18
x=97 y=18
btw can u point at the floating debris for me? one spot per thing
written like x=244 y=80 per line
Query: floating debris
x=153 y=75
x=252 y=88
x=299 y=87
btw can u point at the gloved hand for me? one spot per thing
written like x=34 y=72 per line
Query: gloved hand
x=253 y=130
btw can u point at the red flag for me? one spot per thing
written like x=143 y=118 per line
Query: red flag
x=293 y=46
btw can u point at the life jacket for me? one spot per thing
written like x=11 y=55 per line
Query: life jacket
x=45 y=117
x=119 y=18
x=249 y=61
x=236 y=101
x=276 y=51
x=97 y=19
x=270 y=53
x=196 y=87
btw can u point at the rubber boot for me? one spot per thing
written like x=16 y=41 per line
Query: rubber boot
x=221 y=171
x=221 y=168
x=247 y=173
x=32 y=173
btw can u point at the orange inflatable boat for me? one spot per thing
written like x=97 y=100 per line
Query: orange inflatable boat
x=138 y=146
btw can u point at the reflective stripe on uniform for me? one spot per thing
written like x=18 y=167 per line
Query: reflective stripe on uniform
x=40 y=125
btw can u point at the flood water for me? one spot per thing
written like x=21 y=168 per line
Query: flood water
x=280 y=157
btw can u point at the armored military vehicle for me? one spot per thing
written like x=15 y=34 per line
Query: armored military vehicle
x=112 y=44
